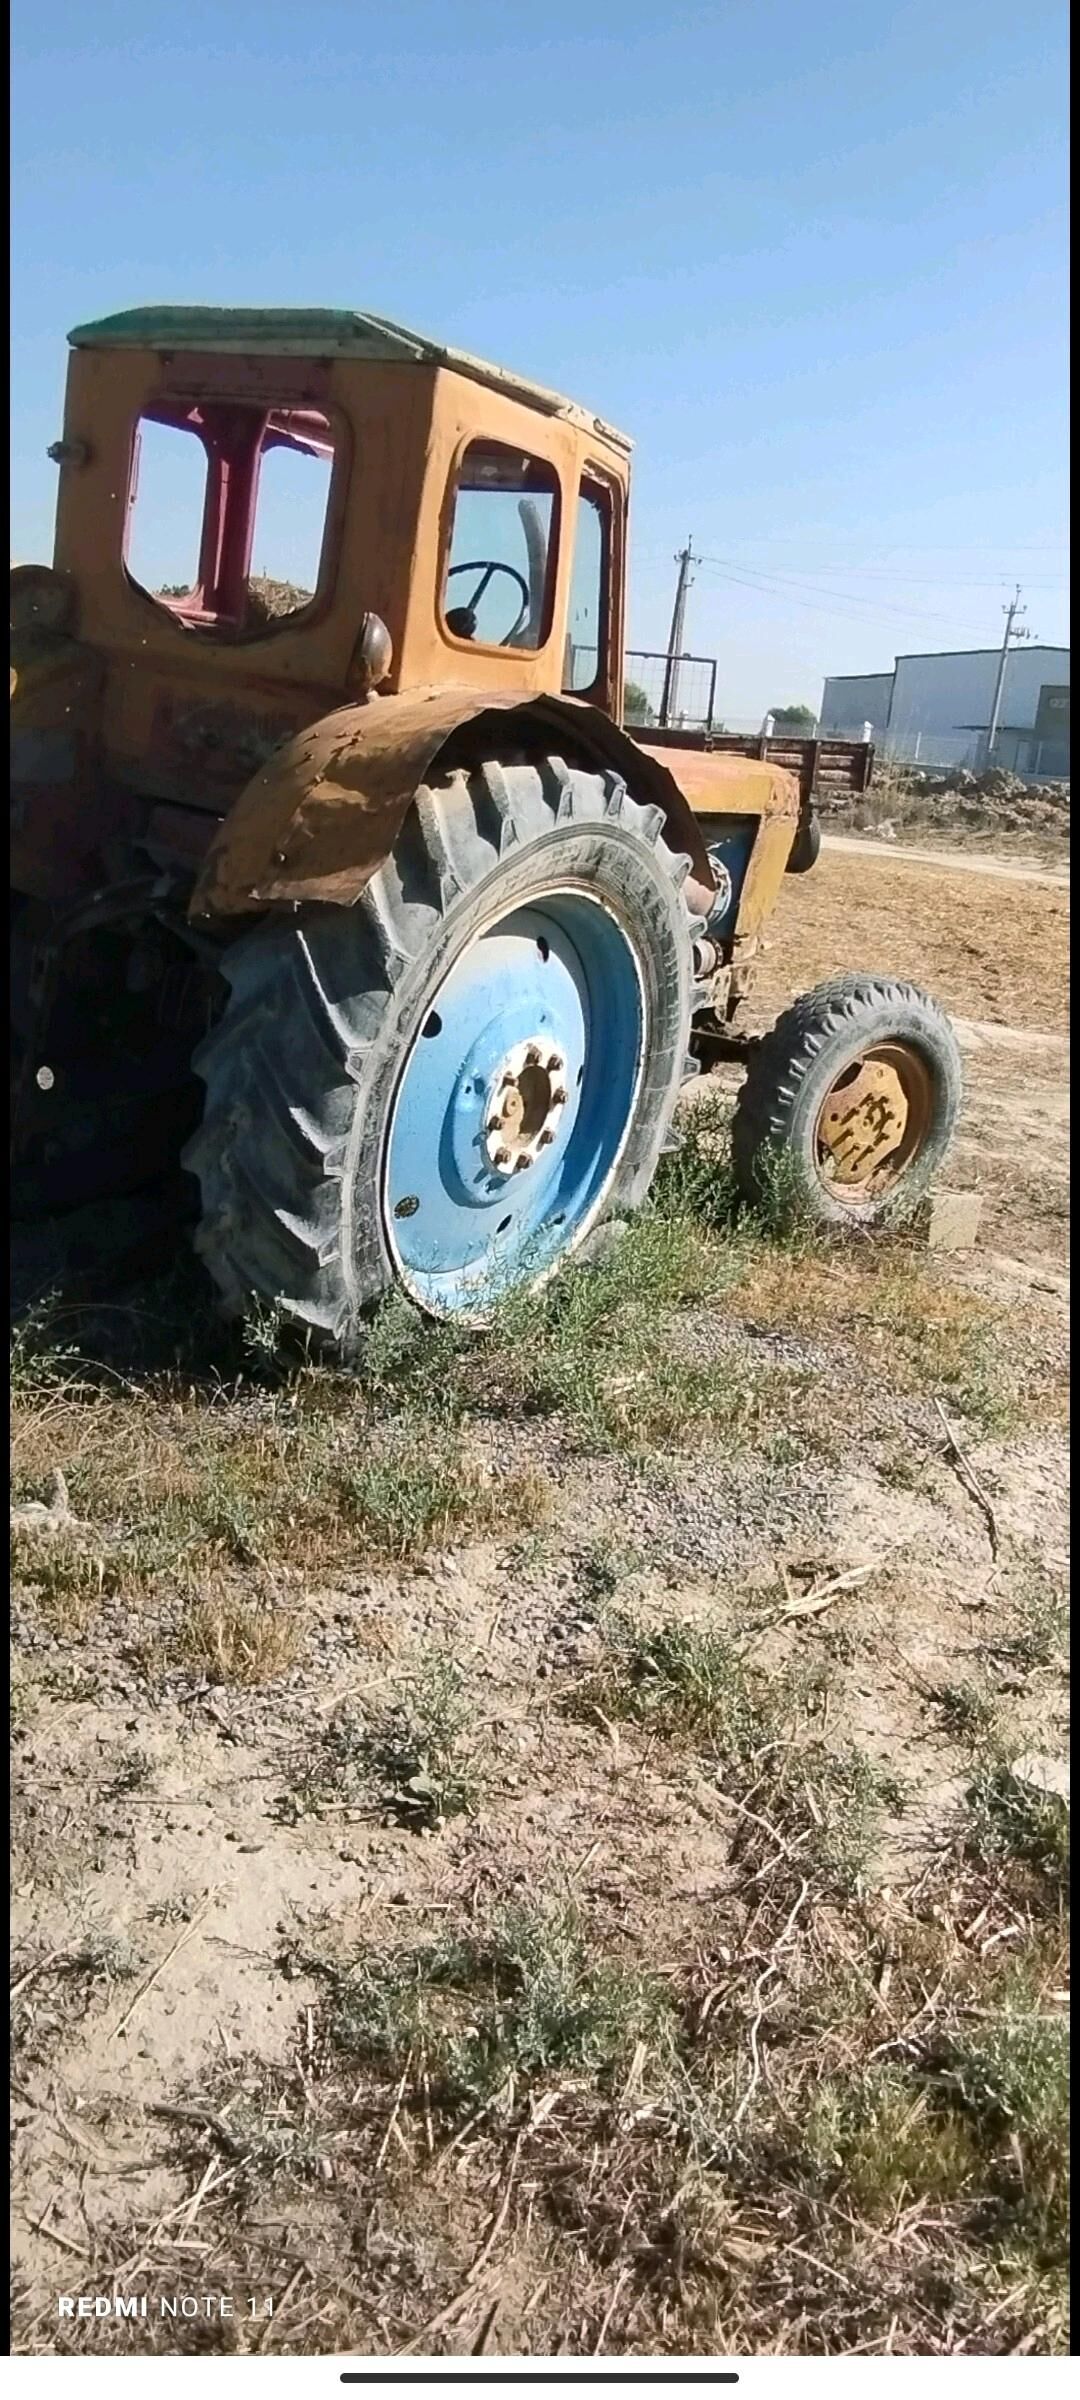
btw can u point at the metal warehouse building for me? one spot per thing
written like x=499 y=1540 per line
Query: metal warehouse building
x=935 y=708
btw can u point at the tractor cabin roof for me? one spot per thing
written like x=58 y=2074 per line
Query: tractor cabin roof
x=323 y=333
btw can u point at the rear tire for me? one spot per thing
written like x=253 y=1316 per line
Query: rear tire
x=850 y=1103
x=324 y=1091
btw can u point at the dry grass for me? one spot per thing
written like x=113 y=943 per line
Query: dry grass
x=843 y=2129
x=837 y=2123
x=66 y=1579
x=892 y=1306
x=230 y=1639
x=186 y=1475
x=179 y=1486
x=413 y=1756
x=53 y=1994
x=910 y=1325
x=807 y=1812
x=1007 y=826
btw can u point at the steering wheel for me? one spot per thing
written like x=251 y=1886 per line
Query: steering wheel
x=486 y=568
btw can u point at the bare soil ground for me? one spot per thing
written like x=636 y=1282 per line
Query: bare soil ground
x=560 y=1846
x=985 y=952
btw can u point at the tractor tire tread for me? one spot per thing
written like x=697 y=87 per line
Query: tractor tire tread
x=782 y=1061
x=312 y=999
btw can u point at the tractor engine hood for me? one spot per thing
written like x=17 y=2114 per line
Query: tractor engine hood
x=718 y=783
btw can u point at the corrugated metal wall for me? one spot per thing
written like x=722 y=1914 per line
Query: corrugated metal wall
x=851 y=701
x=941 y=703
x=935 y=707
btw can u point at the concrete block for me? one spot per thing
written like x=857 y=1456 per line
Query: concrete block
x=952 y=1220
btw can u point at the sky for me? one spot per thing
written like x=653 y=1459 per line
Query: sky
x=813 y=259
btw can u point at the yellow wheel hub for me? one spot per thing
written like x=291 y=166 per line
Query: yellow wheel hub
x=874 y=1121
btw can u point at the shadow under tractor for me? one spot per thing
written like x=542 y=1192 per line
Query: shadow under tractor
x=351 y=893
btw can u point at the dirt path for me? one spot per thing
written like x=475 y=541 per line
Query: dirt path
x=957 y=862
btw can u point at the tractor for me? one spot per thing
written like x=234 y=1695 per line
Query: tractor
x=349 y=902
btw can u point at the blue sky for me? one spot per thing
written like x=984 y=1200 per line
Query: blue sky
x=811 y=257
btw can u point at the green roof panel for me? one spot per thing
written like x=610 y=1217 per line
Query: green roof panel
x=314 y=333
x=308 y=332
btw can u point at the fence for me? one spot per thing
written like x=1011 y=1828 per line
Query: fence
x=1020 y=752
x=677 y=692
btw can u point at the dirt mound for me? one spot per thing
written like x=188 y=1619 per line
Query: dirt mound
x=956 y=799
x=996 y=796
x=268 y=598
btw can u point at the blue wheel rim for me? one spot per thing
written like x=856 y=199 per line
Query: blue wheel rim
x=541 y=1018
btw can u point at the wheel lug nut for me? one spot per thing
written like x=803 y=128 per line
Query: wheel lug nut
x=557 y=1099
x=545 y=1138
x=519 y=1163
x=502 y=1158
x=532 y=1056
x=554 y=1064
x=494 y=1125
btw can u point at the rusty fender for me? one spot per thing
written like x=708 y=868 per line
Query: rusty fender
x=319 y=819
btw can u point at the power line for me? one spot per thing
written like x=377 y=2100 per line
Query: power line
x=847 y=605
x=857 y=600
x=950 y=583
x=951 y=549
x=886 y=574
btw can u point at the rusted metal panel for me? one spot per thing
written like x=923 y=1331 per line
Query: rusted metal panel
x=384 y=414
x=764 y=876
x=59 y=817
x=403 y=426
x=213 y=743
x=718 y=785
x=323 y=814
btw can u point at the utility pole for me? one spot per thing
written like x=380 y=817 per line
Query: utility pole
x=684 y=560
x=1012 y=612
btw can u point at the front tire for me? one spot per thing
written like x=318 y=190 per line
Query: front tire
x=849 y=1104
x=450 y=1084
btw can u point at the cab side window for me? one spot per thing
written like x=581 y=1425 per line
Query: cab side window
x=215 y=485
x=585 y=667
x=166 y=503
